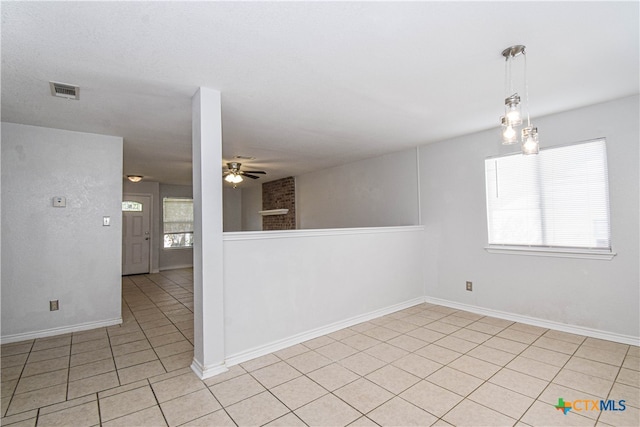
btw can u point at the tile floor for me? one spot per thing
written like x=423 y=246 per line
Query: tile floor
x=426 y=365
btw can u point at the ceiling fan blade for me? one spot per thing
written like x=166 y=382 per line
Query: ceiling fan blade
x=260 y=172
x=250 y=176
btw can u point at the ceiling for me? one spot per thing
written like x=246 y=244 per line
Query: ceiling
x=305 y=85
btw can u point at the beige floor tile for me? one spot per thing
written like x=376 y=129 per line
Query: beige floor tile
x=8 y=387
x=491 y=355
x=12 y=373
x=605 y=345
x=333 y=376
x=336 y=351
x=292 y=351
x=495 y=321
x=52 y=342
x=556 y=345
x=363 y=395
x=89 y=335
x=629 y=377
x=173 y=348
x=39 y=381
x=52 y=353
x=362 y=363
x=16 y=419
x=287 y=420
x=476 y=367
x=518 y=382
x=128 y=402
x=17 y=348
x=583 y=382
x=426 y=335
x=327 y=411
x=259 y=362
x=137 y=358
x=591 y=367
x=220 y=418
x=177 y=361
x=189 y=407
x=36 y=399
x=506 y=345
x=401 y=326
x=469 y=413
x=455 y=381
x=91 y=369
x=634 y=351
x=629 y=417
x=320 y=341
x=257 y=410
x=530 y=329
x=386 y=352
x=342 y=334
x=518 y=336
x=393 y=379
x=615 y=358
x=407 y=343
x=438 y=354
x=153 y=324
x=91 y=356
x=126 y=338
x=564 y=336
x=631 y=362
x=431 y=398
x=77 y=416
x=162 y=330
x=139 y=372
x=484 y=327
x=92 y=345
x=360 y=341
x=417 y=365
x=130 y=347
x=501 y=399
x=442 y=327
x=161 y=340
x=233 y=372
x=150 y=417
x=628 y=393
x=307 y=362
x=543 y=414
x=92 y=385
x=177 y=386
x=534 y=368
x=236 y=389
x=399 y=412
x=298 y=392
x=381 y=333
x=469 y=335
x=276 y=374
x=456 y=320
x=546 y=356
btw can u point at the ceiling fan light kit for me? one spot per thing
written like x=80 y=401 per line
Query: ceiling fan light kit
x=234 y=175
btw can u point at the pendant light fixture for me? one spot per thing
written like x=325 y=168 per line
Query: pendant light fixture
x=512 y=120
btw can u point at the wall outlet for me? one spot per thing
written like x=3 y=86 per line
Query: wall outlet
x=53 y=305
x=470 y=286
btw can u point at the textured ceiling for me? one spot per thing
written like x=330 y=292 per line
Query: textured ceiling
x=304 y=85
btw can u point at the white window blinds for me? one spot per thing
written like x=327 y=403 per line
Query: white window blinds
x=178 y=215
x=559 y=198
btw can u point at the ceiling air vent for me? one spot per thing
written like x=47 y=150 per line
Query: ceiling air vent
x=63 y=90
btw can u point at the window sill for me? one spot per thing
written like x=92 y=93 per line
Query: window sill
x=552 y=252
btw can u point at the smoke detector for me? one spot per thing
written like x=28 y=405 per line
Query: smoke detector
x=64 y=90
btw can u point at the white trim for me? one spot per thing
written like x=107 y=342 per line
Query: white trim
x=274 y=212
x=262 y=350
x=204 y=372
x=59 y=331
x=418 y=185
x=284 y=234
x=549 y=324
x=552 y=252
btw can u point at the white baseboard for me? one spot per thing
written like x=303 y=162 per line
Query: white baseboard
x=59 y=331
x=176 y=267
x=204 y=372
x=314 y=333
x=549 y=324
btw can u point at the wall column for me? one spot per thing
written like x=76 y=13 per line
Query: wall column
x=208 y=355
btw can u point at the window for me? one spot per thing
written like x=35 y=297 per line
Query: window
x=177 y=217
x=558 y=199
x=130 y=206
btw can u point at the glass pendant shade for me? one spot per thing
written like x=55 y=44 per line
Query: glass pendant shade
x=509 y=134
x=530 y=141
x=512 y=110
x=233 y=178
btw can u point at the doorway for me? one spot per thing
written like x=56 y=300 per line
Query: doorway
x=136 y=234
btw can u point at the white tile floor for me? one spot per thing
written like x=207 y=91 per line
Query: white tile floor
x=426 y=365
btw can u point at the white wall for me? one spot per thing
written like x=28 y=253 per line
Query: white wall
x=376 y=192
x=150 y=188
x=59 y=253
x=232 y=209
x=177 y=257
x=251 y=204
x=282 y=284
x=594 y=294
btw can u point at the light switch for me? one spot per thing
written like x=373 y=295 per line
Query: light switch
x=106 y=221
x=59 y=202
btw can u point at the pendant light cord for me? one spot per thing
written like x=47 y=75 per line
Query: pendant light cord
x=526 y=88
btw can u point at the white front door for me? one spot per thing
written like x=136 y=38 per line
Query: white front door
x=136 y=243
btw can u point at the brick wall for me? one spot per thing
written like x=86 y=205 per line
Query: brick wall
x=279 y=194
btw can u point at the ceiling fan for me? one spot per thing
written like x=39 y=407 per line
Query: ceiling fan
x=235 y=176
